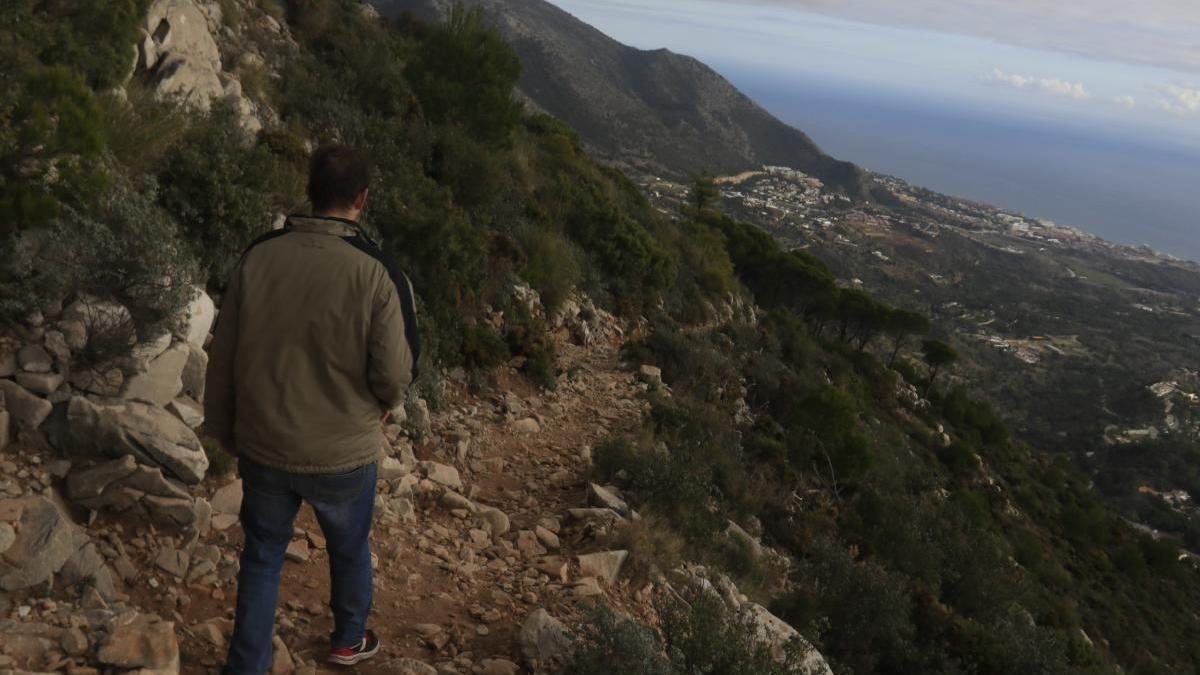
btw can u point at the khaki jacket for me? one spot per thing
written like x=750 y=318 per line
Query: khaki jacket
x=317 y=336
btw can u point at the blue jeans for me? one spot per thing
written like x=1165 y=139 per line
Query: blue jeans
x=343 y=503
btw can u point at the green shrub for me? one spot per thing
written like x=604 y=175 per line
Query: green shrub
x=224 y=190
x=464 y=72
x=699 y=635
x=831 y=415
x=551 y=265
x=959 y=457
x=124 y=249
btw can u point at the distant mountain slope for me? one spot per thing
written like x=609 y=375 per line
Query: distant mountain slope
x=653 y=111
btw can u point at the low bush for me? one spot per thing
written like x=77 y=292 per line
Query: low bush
x=698 y=635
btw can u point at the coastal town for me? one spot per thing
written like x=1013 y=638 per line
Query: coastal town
x=1040 y=301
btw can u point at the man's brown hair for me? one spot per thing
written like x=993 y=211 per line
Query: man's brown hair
x=336 y=176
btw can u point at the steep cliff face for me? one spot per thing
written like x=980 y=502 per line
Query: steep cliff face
x=651 y=111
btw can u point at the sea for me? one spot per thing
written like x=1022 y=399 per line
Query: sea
x=1126 y=185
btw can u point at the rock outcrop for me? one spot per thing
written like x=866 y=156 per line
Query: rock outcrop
x=179 y=50
x=153 y=436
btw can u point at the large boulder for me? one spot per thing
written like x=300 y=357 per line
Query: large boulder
x=544 y=641
x=195 y=371
x=605 y=498
x=778 y=635
x=162 y=380
x=27 y=410
x=182 y=52
x=45 y=540
x=150 y=434
x=8 y=356
x=197 y=318
x=90 y=483
x=100 y=318
x=179 y=48
x=443 y=474
x=141 y=641
x=605 y=565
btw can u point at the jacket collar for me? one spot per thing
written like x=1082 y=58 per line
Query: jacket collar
x=339 y=227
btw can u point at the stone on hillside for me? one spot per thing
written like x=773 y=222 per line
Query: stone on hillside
x=605 y=565
x=228 y=499
x=8 y=357
x=202 y=514
x=56 y=343
x=602 y=497
x=776 y=634
x=737 y=532
x=194 y=371
x=452 y=500
x=411 y=666
x=151 y=434
x=7 y=537
x=162 y=380
x=170 y=510
x=544 y=641
x=99 y=316
x=496 y=666
x=281 y=658
x=145 y=352
x=224 y=521
x=35 y=359
x=494 y=520
x=187 y=410
x=74 y=642
x=442 y=474
x=45 y=540
x=587 y=587
x=173 y=561
x=150 y=479
x=85 y=484
x=548 y=538
x=183 y=52
x=27 y=410
x=197 y=318
x=87 y=565
x=391 y=468
x=211 y=633
x=98 y=381
x=42 y=384
x=528 y=425
x=297 y=551
x=404 y=454
x=555 y=568
x=418 y=417
x=527 y=543
x=651 y=375
x=74 y=334
x=600 y=517
x=138 y=640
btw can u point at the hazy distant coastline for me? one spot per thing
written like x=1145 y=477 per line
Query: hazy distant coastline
x=1125 y=186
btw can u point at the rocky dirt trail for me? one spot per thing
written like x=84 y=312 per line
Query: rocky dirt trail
x=480 y=535
x=119 y=544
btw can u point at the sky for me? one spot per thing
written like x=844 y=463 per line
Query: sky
x=1118 y=64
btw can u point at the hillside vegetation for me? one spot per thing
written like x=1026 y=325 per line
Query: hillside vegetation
x=916 y=535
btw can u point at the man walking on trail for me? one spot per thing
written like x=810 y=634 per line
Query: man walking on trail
x=316 y=341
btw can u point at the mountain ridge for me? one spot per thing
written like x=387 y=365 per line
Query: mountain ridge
x=664 y=112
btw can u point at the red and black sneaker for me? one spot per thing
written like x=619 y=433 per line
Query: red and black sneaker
x=348 y=656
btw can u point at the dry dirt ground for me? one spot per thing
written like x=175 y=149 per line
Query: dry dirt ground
x=444 y=591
